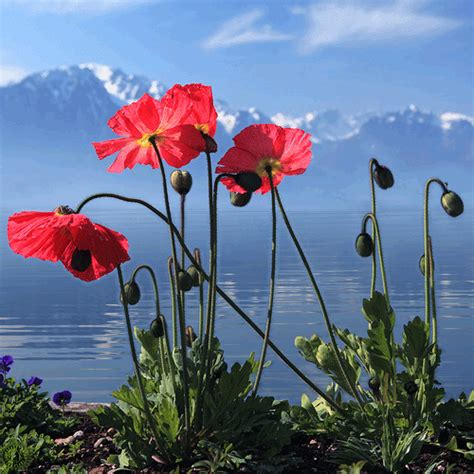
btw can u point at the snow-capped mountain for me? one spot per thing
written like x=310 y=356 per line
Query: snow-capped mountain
x=48 y=120
x=125 y=88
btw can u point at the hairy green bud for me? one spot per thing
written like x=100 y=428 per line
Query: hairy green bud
x=240 y=200
x=383 y=177
x=193 y=272
x=452 y=204
x=181 y=181
x=364 y=244
x=185 y=282
x=157 y=327
x=132 y=293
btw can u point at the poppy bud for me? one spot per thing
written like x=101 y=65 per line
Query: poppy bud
x=181 y=181
x=249 y=181
x=157 y=327
x=383 y=177
x=374 y=385
x=364 y=245
x=81 y=259
x=190 y=336
x=443 y=436
x=185 y=282
x=193 y=272
x=211 y=145
x=240 y=200
x=452 y=204
x=410 y=387
x=132 y=293
x=422 y=264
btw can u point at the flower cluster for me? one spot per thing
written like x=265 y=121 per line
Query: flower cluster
x=176 y=128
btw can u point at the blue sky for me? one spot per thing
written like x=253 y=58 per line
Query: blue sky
x=276 y=55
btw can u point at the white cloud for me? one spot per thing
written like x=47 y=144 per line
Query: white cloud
x=74 y=6
x=244 y=29
x=349 y=22
x=11 y=74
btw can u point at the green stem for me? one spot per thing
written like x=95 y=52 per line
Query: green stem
x=197 y=256
x=182 y=322
x=271 y=291
x=174 y=321
x=219 y=290
x=183 y=220
x=133 y=351
x=157 y=305
x=182 y=294
x=319 y=297
x=207 y=339
x=432 y=291
x=380 y=252
x=426 y=233
x=373 y=162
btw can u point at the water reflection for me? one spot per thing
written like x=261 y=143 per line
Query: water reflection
x=72 y=334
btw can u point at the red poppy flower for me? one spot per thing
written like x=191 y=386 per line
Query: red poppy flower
x=165 y=121
x=87 y=250
x=286 y=151
x=203 y=115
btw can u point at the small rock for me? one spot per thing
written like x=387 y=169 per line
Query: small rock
x=313 y=441
x=64 y=441
x=78 y=434
x=110 y=431
x=99 y=443
x=109 y=439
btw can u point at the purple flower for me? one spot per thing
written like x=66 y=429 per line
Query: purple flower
x=35 y=381
x=62 y=398
x=5 y=363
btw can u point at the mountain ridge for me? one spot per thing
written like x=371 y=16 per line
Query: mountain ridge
x=49 y=119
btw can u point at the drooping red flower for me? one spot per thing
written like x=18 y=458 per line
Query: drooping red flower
x=86 y=249
x=203 y=115
x=164 y=120
x=286 y=151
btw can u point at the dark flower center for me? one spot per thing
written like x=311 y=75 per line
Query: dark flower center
x=64 y=210
x=81 y=260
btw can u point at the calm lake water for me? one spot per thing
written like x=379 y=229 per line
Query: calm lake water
x=72 y=334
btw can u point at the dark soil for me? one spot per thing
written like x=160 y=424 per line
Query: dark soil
x=314 y=455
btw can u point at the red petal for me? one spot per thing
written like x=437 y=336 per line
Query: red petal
x=109 y=147
x=259 y=140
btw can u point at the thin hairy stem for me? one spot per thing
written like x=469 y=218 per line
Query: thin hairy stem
x=426 y=236
x=197 y=256
x=320 y=299
x=181 y=321
x=174 y=317
x=219 y=290
x=146 y=407
x=373 y=279
x=271 y=290
x=380 y=252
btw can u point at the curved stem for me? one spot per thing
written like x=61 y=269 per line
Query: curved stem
x=133 y=351
x=426 y=234
x=182 y=322
x=219 y=290
x=164 y=346
x=174 y=322
x=271 y=291
x=154 y=282
x=373 y=162
x=380 y=252
x=319 y=297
